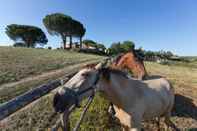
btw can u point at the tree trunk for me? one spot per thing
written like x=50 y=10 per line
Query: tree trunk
x=64 y=41
x=80 y=42
x=31 y=43
x=26 y=42
x=71 y=42
x=28 y=45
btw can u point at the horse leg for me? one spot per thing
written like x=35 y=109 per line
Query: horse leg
x=111 y=110
x=169 y=123
x=65 y=125
x=132 y=127
x=129 y=122
x=158 y=123
x=135 y=123
x=125 y=128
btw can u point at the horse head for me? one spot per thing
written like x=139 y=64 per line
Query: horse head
x=80 y=86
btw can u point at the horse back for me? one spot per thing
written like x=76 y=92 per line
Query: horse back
x=159 y=97
x=158 y=82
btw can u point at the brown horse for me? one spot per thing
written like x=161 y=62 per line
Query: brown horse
x=132 y=63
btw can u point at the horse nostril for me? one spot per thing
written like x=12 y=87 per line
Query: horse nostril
x=61 y=102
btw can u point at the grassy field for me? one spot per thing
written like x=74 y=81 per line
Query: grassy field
x=184 y=78
x=22 y=69
x=190 y=63
x=18 y=63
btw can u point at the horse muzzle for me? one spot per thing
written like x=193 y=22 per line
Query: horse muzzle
x=61 y=102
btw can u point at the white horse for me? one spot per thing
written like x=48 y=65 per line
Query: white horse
x=134 y=100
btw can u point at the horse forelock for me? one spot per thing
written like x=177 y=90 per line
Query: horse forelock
x=90 y=66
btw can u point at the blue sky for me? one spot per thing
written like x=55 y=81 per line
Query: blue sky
x=151 y=24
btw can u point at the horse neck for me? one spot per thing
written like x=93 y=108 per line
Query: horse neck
x=115 y=89
x=136 y=66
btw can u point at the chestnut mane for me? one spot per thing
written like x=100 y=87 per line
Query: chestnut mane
x=118 y=57
x=131 y=62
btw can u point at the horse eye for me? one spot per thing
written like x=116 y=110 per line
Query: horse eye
x=85 y=74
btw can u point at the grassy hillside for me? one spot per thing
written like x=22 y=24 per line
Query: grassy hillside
x=25 y=66
x=36 y=116
x=18 y=63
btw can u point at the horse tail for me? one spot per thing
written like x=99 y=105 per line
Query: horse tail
x=167 y=115
x=171 y=87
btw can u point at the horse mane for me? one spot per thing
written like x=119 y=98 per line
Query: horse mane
x=118 y=57
x=133 y=52
x=108 y=70
x=90 y=66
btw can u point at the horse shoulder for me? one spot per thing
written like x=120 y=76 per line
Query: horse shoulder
x=162 y=89
x=166 y=83
x=156 y=83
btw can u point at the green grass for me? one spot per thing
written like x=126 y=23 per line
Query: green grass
x=190 y=63
x=97 y=117
x=18 y=63
x=38 y=116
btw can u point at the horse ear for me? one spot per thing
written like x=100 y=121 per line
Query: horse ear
x=105 y=72
x=98 y=66
x=102 y=64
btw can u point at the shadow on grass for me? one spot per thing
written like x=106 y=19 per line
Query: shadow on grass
x=184 y=107
x=152 y=77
